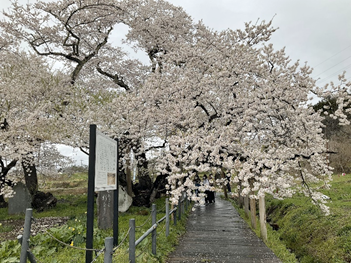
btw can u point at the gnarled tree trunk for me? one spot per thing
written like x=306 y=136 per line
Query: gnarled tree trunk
x=159 y=187
x=142 y=189
x=40 y=200
x=3 y=181
x=30 y=175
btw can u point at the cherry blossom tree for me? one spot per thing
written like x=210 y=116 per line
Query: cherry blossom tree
x=30 y=102
x=102 y=77
x=50 y=161
x=241 y=106
x=217 y=102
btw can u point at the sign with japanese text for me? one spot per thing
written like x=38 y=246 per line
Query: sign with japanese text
x=105 y=163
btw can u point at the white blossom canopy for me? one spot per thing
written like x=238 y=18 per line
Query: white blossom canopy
x=217 y=101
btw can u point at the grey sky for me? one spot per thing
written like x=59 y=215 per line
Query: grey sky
x=316 y=31
x=311 y=30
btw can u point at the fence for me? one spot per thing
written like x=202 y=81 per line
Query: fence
x=108 y=250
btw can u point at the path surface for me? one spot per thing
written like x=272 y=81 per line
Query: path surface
x=216 y=233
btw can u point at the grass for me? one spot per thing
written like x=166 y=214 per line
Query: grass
x=274 y=242
x=305 y=234
x=320 y=238
x=46 y=249
x=60 y=184
x=67 y=205
x=67 y=190
x=305 y=231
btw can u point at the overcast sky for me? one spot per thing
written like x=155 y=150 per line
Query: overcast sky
x=316 y=31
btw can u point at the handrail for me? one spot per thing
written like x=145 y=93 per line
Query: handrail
x=163 y=218
x=149 y=231
x=108 y=249
x=152 y=229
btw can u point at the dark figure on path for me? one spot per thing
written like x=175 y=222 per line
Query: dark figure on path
x=228 y=184
x=210 y=195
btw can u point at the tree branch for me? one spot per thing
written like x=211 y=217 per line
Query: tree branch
x=115 y=78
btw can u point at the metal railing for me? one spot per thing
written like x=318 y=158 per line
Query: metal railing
x=108 y=250
x=152 y=230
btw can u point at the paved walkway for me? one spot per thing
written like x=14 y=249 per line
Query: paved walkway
x=216 y=233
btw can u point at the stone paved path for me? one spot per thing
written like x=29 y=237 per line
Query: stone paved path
x=216 y=233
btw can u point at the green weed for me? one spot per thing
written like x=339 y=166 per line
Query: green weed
x=46 y=248
x=274 y=242
x=307 y=232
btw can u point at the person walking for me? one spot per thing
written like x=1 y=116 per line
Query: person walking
x=210 y=197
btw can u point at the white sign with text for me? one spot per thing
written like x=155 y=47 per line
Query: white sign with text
x=105 y=163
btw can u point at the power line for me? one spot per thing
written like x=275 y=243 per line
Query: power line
x=331 y=57
x=335 y=73
x=332 y=66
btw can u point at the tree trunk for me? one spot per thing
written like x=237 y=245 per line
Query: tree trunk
x=129 y=177
x=158 y=188
x=30 y=176
x=224 y=186
x=40 y=200
x=246 y=206
x=142 y=189
x=240 y=197
x=253 y=212
x=3 y=203
x=253 y=205
x=3 y=173
x=262 y=211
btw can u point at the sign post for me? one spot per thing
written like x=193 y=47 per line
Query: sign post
x=103 y=170
x=115 y=203
x=91 y=186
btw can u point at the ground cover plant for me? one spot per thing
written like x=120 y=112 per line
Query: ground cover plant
x=273 y=242
x=306 y=231
x=60 y=184
x=71 y=210
x=47 y=249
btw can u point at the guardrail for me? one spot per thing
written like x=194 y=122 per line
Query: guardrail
x=152 y=230
x=108 y=250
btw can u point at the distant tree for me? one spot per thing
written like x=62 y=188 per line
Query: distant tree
x=338 y=136
x=50 y=160
x=327 y=107
x=75 y=169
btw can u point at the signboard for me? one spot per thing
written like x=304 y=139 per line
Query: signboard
x=103 y=167
x=105 y=163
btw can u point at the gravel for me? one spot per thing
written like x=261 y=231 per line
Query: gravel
x=39 y=225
